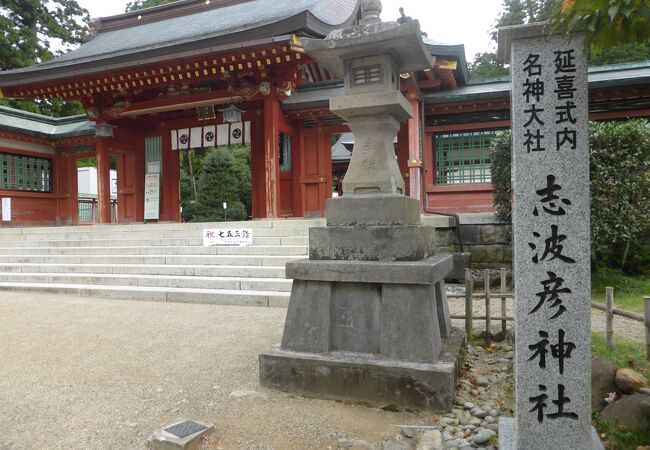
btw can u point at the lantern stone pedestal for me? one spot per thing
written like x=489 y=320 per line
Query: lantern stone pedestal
x=368 y=319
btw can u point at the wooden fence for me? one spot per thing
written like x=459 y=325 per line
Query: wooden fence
x=503 y=295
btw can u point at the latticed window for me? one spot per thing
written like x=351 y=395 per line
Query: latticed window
x=25 y=173
x=463 y=157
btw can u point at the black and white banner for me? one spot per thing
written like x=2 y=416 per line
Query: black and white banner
x=211 y=136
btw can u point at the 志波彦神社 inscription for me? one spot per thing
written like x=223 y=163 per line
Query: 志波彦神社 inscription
x=551 y=241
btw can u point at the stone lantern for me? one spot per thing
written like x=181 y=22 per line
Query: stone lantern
x=368 y=317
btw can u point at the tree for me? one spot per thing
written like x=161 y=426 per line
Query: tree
x=218 y=184
x=27 y=30
x=137 y=5
x=514 y=12
x=607 y=23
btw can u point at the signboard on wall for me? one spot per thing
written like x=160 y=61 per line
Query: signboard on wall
x=152 y=196
x=6 y=209
x=211 y=136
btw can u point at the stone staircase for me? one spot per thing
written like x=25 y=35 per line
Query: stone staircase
x=155 y=262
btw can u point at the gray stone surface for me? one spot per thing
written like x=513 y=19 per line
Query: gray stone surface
x=427 y=271
x=366 y=378
x=372 y=243
x=384 y=210
x=631 y=411
x=551 y=240
x=507 y=437
x=164 y=440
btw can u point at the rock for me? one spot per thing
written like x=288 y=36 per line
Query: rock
x=509 y=355
x=475 y=421
x=602 y=382
x=629 y=381
x=490 y=419
x=482 y=381
x=452 y=444
x=483 y=437
x=397 y=445
x=448 y=421
x=478 y=412
x=645 y=391
x=494 y=412
x=431 y=440
x=632 y=411
x=492 y=426
x=464 y=420
x=468 y=405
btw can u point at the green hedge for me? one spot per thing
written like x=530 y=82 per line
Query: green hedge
x=620 y=191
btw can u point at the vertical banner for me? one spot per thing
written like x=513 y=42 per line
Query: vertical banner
x=551 y=241
x=196 y=137
x=209 y=136
x=183 y=139
x=223 y=134
x=152 y=196
x=174 y=139
x=6 y=209
x=237 y=133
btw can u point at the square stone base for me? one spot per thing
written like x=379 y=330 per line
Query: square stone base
x=362 y=378
x=507 y=436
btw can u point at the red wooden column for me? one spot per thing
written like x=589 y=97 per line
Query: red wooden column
x=272 y=114
x=103 y=179
x=414 y=161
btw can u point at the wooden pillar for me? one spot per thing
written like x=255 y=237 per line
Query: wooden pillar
x=103 y=179
x=272 y=113
x=414 y=160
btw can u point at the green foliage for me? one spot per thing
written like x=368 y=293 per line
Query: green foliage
x=628 y=290
x=27 y=28
x=620 y=54
x=607 y=23
x=620 y=189
x=501 y=157
x=485 y=65
x=223 y=178
x=137 y=5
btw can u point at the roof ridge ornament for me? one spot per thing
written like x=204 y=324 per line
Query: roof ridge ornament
x=370 y=12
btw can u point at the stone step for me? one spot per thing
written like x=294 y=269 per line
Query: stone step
x=190 y=241
x=159 y=294
x=193 y=282
x=262 y=250
x=148 y=234
x=256 y=225
x=226 y=260
x=149 y=269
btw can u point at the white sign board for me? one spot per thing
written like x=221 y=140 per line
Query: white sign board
x=6 y=209
x=153 y=167
x=152 y=196
x=240 y=236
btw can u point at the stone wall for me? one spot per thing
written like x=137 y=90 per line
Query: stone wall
x=483 y=235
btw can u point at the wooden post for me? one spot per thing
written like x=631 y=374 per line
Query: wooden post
x=609 y=317
x=486 y=281
x=647 y=326
x=503 y=300
x=469 y=292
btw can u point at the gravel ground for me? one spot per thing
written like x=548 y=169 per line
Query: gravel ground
x=81 y=373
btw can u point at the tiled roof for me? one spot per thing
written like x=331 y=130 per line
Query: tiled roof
x=32 y=124
x=232 y=22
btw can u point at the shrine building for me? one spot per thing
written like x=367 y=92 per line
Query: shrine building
x=161 y=80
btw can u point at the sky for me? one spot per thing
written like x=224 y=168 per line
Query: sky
x=451 y=22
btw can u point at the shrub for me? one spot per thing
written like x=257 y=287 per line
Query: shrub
x=620 y=189
x=217 y=184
